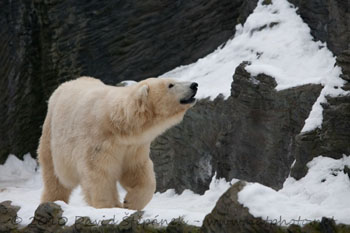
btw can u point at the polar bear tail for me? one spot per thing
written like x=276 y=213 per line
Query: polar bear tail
x=53 y=189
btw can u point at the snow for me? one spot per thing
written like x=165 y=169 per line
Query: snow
x=323 y=192
x=278 y=43
x=315 y=117
x=20 y=182
x=127 y=82
x=25 y=168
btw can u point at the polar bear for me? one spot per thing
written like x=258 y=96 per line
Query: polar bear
x=95 y=135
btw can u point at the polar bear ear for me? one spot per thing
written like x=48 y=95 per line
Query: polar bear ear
x=142 y=94
x=143 y=91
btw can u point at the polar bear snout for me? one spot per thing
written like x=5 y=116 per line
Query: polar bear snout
x=189 y=94
x=194 y=86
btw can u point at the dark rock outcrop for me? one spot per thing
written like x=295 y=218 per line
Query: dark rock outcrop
x=248 y=136
x=43 y=43
x=329 y=21
x=332 y=140
x=343 y=61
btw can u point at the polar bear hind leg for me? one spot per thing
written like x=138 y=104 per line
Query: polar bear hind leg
x=53 y=189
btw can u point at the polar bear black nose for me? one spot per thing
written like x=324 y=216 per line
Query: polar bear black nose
x=194 y=86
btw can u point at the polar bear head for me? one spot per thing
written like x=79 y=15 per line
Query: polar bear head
x=146 y=109
x=166 y=97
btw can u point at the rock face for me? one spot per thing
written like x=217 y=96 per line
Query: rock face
x=343 y=61
x=329 y=21
x=43 y=43
x=248 y=136
x=332 y=140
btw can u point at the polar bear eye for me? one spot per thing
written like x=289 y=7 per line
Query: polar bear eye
x=171 y=85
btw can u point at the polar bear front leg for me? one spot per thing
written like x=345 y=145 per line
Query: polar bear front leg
x=100 y=190
x=140 y=182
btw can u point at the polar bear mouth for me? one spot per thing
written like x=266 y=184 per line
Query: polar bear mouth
x=189 y=100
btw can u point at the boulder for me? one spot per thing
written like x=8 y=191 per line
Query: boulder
x=47 y=218
x=230 y=216
x=8 y=217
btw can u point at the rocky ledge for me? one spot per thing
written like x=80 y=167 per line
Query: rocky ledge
x=227 y=216
x=49 y=217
